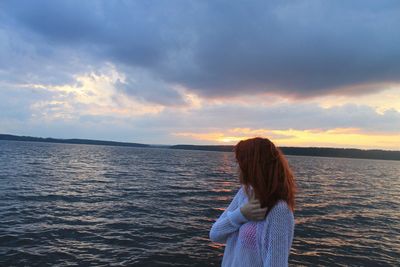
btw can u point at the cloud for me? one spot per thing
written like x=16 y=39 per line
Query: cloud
x=223 y=48
x=141 y=71
x=27 y=58
x=218 y=118
x=91 y=94
x=93 y=104
x=142 y=85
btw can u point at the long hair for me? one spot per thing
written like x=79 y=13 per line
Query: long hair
x=263 y=166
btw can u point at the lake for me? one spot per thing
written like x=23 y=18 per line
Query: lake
x=89 y=205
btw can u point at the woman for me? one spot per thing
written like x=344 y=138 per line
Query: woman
x=258 y=225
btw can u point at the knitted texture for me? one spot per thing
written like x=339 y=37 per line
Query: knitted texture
x=254 y=243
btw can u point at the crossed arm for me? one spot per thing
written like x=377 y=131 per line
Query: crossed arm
x=229 y=221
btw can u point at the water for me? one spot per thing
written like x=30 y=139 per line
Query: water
x=85 y=205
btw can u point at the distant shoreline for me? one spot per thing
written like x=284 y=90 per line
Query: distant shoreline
x=295 y=151
x=10 y=137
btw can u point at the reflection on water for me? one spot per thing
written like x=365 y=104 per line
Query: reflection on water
x=63 y=204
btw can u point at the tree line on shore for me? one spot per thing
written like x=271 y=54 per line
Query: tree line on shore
x=299 y=151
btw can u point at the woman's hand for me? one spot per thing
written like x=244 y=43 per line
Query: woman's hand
x=252 y=210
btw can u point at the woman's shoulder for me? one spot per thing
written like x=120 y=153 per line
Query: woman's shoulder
x=281 y=208
x=281 y=204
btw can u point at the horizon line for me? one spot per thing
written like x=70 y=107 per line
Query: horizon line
x=168 y=145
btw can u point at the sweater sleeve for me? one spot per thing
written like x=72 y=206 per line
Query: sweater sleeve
x=278 y=240
x=229 y=222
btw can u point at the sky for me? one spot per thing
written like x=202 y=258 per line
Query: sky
x=301 y=73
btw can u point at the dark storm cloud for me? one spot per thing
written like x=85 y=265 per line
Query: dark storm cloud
x=221 y=48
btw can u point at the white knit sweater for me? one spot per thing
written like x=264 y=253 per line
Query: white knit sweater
x=254 y=243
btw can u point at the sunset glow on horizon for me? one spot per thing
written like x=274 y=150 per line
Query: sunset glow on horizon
x=339 y=138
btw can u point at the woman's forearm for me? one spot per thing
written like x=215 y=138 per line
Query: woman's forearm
x=229 y=222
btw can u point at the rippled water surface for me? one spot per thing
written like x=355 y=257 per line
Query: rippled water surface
x=86 y=205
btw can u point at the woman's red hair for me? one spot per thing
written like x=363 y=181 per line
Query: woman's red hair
x=263 y=166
